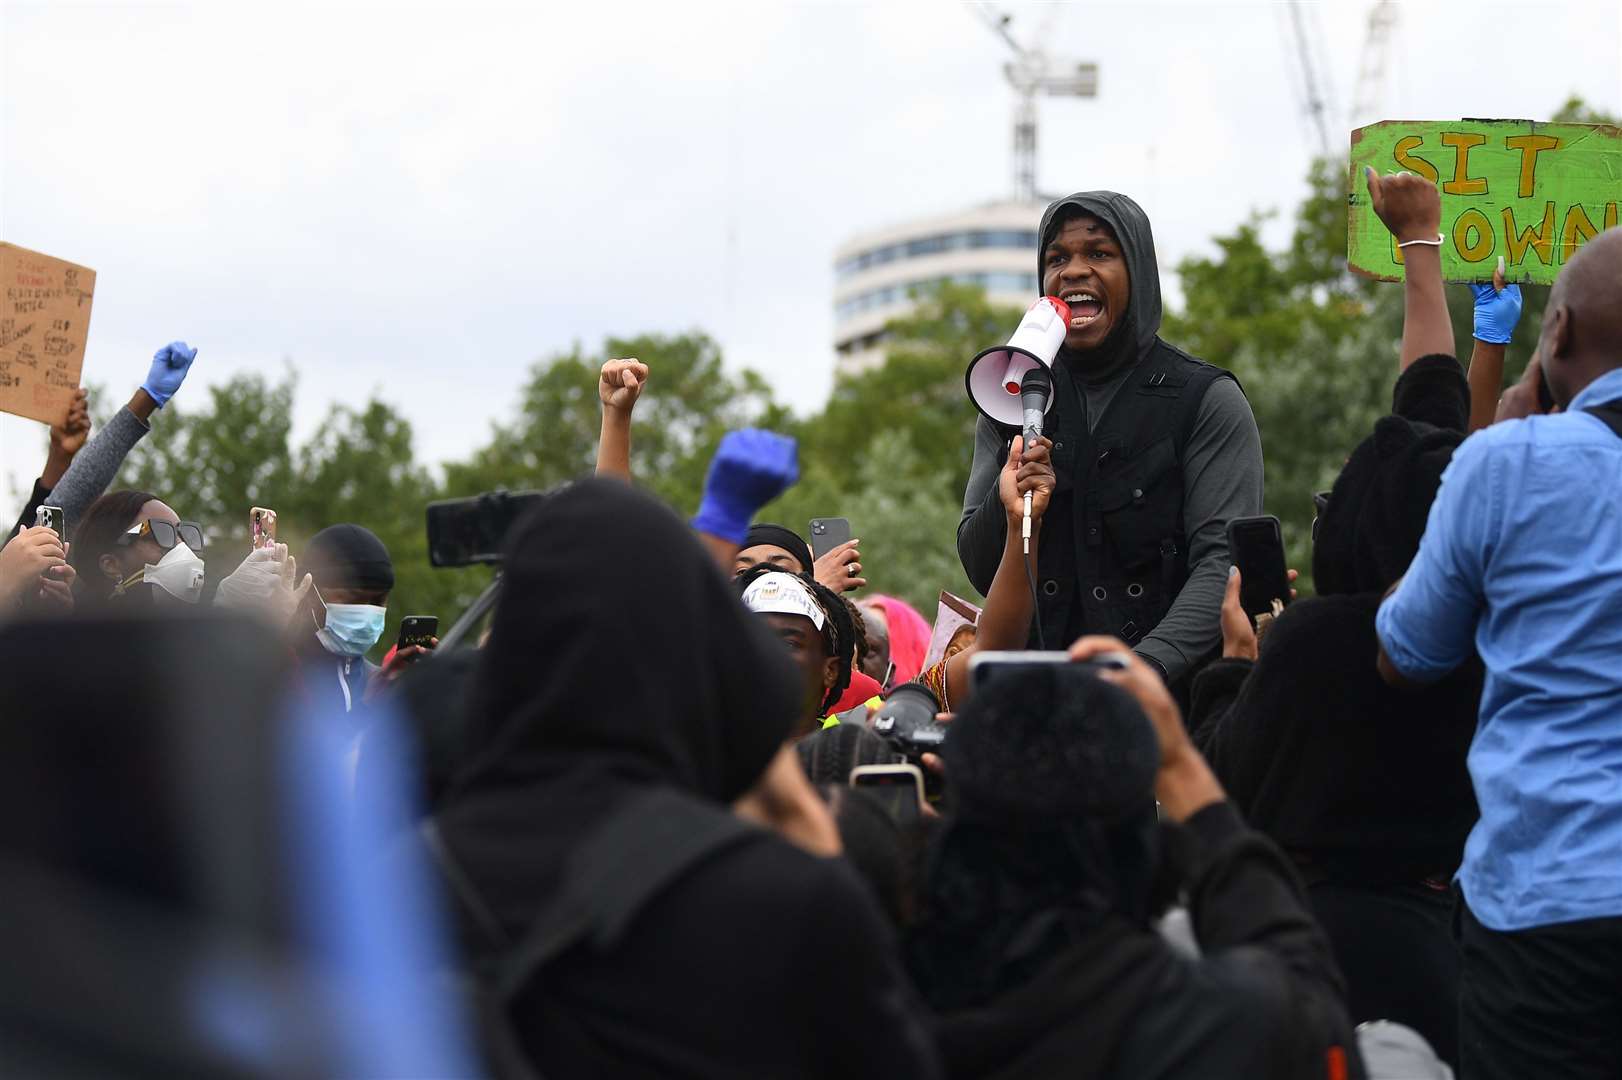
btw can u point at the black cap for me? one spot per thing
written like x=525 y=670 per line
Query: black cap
x=349 y=556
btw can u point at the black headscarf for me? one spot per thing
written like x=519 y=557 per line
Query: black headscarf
x=619 y=659
x=783 y=537
x=1132 y=337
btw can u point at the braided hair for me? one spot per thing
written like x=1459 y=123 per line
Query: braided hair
x=839 y=633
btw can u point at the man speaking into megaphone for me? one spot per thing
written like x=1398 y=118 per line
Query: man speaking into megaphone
x=1155 y=451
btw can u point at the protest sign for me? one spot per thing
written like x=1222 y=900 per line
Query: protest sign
x=955 y=622
x=1530 y=192
x=44 y=317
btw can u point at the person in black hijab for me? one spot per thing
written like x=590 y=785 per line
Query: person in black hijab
x=1034 y=943
x=621 y=663
x=1155 y=451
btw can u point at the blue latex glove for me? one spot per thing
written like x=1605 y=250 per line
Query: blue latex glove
x=750 y=469
x=169 y=367
x=1497 y=313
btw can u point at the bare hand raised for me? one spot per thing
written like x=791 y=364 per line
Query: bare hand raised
x=1027 y=470
x=1409 y=205
x=68 y=437
x=621 y=382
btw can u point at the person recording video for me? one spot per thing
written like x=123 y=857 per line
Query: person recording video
x=1155 y=451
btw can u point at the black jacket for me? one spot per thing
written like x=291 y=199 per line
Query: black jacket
x=1365 y=782
x=620 y=661
x=1152 y=459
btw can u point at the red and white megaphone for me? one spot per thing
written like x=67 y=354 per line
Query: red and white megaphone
x=994 y=377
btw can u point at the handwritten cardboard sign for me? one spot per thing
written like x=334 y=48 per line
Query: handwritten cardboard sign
x=1531 y=192
x=44 y=317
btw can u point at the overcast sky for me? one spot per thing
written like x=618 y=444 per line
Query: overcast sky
x=423 y=201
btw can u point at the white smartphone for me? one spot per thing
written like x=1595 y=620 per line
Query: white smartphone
x=899 y=787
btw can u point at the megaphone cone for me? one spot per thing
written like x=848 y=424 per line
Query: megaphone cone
x=994 y=377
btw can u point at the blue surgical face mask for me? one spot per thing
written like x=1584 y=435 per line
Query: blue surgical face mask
x=352 y=629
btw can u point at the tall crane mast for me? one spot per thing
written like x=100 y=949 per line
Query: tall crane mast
x=1315 y=90
x=1371 y=68
x=1031 y=72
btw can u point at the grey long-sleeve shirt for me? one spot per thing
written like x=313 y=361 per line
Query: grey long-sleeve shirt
x=95 y=466
x=1222 y=479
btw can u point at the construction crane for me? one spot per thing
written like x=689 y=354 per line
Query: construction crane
x=1312 y=72
x=1371 y=68
x=1031 y=72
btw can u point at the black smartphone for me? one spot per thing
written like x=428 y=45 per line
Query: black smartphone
x=827 y=534
x=984 y=666
x=418 y=630
x=1256 y=547
x=52 y=518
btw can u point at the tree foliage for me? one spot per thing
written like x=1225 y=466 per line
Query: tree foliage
x=1314 y=346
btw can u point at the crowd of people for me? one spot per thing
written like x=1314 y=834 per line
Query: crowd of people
x=1374 y=832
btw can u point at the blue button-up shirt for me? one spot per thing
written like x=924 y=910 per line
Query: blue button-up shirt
x=1522 y=557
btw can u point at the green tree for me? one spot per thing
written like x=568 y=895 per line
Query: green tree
x=690 y=402
x=891 y=450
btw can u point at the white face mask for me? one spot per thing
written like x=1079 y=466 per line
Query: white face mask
x=179 y=573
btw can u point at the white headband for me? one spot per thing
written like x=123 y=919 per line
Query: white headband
x=783 y=594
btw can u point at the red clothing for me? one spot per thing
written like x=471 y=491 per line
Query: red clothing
x=862 y=688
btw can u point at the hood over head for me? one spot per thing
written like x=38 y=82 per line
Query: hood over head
x=618 y=645
x=1370 y=530
x=1131 y=338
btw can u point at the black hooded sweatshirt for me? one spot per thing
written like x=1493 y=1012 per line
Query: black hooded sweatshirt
x=621 y=660
x=1363 y=783
x=1220 y=462
x=1035 y=943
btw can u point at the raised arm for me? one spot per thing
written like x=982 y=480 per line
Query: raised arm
x=1005 y=622
x=94 y=468
x=1411 y=208
x=1498 y=310
x=67 y=439
x=619 y=385
x=750 y=469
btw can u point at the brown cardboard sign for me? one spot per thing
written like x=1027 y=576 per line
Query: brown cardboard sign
x=44 y=319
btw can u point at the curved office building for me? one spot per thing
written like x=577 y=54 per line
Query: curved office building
x=876 y=274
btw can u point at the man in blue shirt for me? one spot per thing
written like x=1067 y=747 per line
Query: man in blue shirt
x=1522 y=560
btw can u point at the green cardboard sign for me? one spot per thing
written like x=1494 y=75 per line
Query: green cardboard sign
x=1531 y=192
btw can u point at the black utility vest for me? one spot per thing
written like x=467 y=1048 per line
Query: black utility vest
x=1112 y=555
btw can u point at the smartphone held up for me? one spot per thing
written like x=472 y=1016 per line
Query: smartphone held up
x=261 y=528
x=1256 y=546
x=52 y=518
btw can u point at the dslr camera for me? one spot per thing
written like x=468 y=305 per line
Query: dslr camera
x=907 y=722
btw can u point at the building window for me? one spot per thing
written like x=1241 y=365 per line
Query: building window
x=1000 y=282
x=1015 y=239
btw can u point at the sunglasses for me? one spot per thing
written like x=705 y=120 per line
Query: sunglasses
x=165 y=535
x=1320 y=503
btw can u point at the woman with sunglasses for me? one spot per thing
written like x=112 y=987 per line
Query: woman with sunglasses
x=130 y=546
